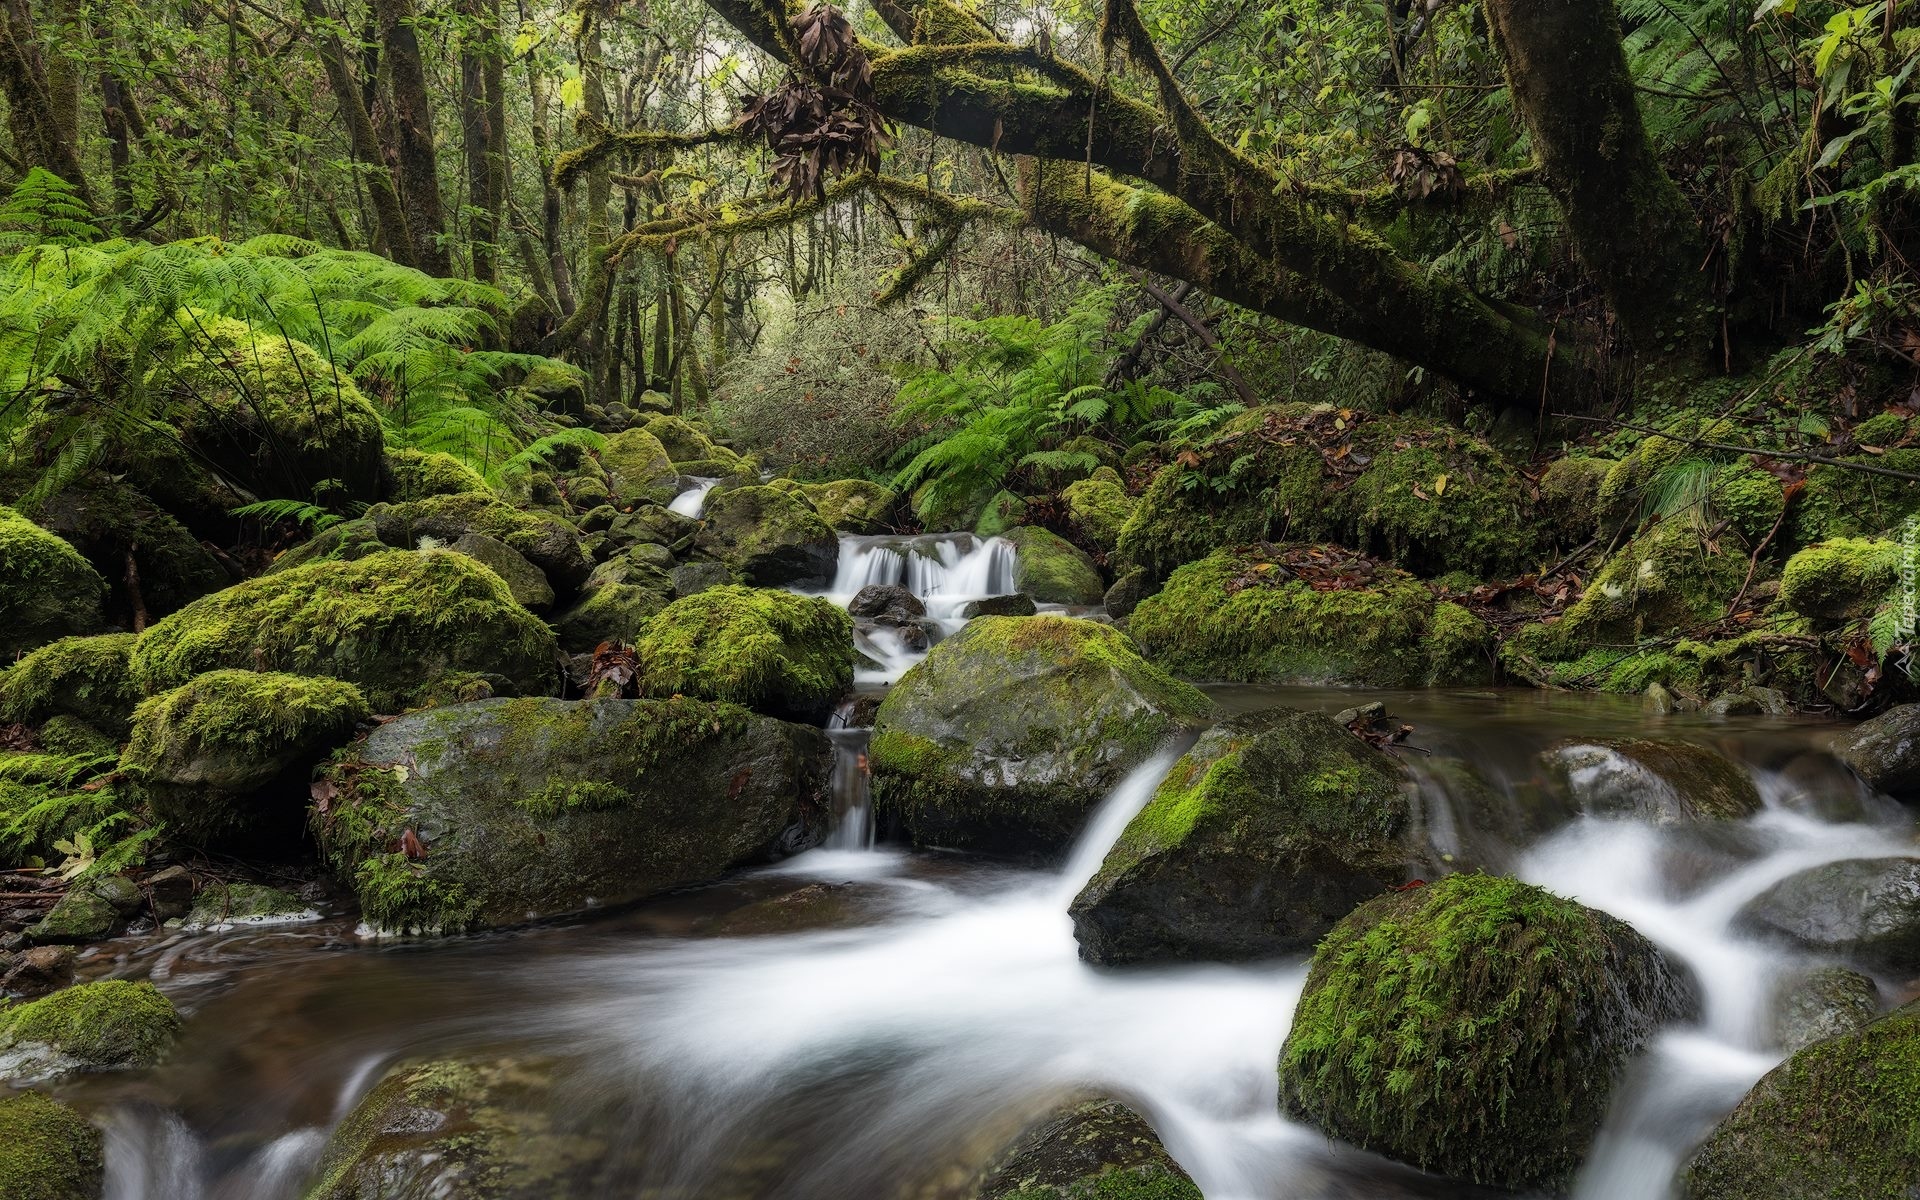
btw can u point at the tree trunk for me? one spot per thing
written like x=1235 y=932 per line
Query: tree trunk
x=482 y=114
x=37 y=135
x=383 y=194
x=416 y=156
x=1630 y=224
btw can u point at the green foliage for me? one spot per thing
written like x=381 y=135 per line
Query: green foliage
x=1015 y=390
x=45 y=209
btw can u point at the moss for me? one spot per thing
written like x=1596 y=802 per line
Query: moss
x=1099 y=506
x=201 y=749
x=584 y=795
x=1632 y=481
x=1206 y=625
x=272 y=412
x=1094 y=1150
x=1839 y=503
x=417 y=474
x=1001 y=512
x=112 y=1024
x=1474 y=1027
x=389 y=623
x=621 y=596
x=1883 y=429
x=544 y=540
x=396 y=894
x=48 y=1151
x=85 y=677
x=1751 y=499
x=1840 y=579
x=1053 y=570
x=1569 y=498
x=684 y=441
x=770 y=650
x=46 y=588
x=1431 y=497
x=854 y=506
x=768 y=537
x=1839 y=1119
x=637 y=469
x=106 y=519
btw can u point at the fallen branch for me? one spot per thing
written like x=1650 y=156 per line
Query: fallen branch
x=1783 y=455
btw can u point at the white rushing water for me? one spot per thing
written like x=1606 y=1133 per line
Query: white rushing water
x=945 y=571
x=693 y=501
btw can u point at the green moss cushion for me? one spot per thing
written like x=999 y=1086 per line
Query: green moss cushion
x=774 y=651
x=103 y=1026
x=48 y=1151
x=47 y=590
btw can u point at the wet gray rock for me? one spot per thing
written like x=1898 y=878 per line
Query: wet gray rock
x=37 y=971
x=1128 y=591
x=1886 y=751
x=1017 y=605
x=768 y=537
x=887 y=603
x=526 y=583
x=690 y=579
x=1865 y=911
x=1659 y=781
x=1083 y=1150
x=1812 y=1005
x=619 y=598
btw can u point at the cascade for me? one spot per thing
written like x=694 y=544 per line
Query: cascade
x=693 y=501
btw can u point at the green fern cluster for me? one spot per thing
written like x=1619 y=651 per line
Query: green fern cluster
x=1018 y=390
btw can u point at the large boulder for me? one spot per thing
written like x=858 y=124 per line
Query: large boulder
x=1475 y=1028
x=1053 y=570
x=1086 y=1150
x=1659 y=781
x=776 y=652
x=545 y=540
x=1839 y=1120
x=621 y=596
x=1886 y=751
x=1010 y=731
x=852 y=505
x=48 y=1151
x=112 y=1025
x=1840 y=580
x=1099 y=507
x=47 y=590
x=504 y=811
x=768 y=537
x=396 y=624
x=638 y=469
x=83 y=677
x=1862 y=910
x=272 y=412
x=214 y=756
x=1422 y=493
x=417 y=474
x=526 y=583
x=479 y=1129
x=1272 y=828
x=109 y=522
x=1250 y=616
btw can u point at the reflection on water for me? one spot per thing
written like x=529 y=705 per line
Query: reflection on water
x=877 y=1047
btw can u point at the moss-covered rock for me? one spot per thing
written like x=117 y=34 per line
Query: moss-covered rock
x=1569 y=498
x=223 y=906
x=1475 y=1027
x=1839 y=1120
x=547 y=541
x=1843 y=503
x=687 y=442
x=1241 y=615
x=111 y=1025
x=48 y=1151
x=1099 y=506
x=1661 y=782
x=525 y=582
x=619 y=599
x=556 y=387
x=393 y=624
x=1864 y=911
x=107 y=520
x=1010 y=731
x=47 y=590
x=1273 y=827
x=478 y=1129
x=1431 y=497
x=411 y=475
x=1841 y=579
x=1127 y=592
x=1815 y=1003
x=776 y=652
x=768 y=538
x=503 y=811
x=638 y=469
x=1884 y=751
x=85 y=914
x=855 y=506
x=992 y=517
x=209 y=753
x=84 y=677
x=272 y=412
x=1086 y=1150
x=1053 y=570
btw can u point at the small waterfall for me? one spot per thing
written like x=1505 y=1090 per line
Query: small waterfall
x=693 y=501
x=1110 y=820
x=852 y=800
x=945 y=570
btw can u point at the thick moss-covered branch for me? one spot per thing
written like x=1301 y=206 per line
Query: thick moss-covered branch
x=1569 y=79
x=569 y=166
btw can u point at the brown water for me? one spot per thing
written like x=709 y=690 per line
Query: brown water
x=939 y=998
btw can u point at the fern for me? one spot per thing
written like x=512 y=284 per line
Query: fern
x=297 y=511
x=45 y=209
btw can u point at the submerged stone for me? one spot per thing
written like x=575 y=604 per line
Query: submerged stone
x=1012 y=730
x=1658 y=781
x=1839 y=1120
x=1271 y=829
x=1086 y=1150
x=1475 y=1028
x=504 y=811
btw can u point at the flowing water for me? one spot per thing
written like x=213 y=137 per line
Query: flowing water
x=693 y=501
x=945 y=571
x=878 y=1046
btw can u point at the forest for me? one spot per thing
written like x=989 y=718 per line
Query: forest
x=959 y=600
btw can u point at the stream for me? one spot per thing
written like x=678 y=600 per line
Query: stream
x=878 y=1046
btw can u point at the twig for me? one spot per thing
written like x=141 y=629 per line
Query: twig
x=1753 y=563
